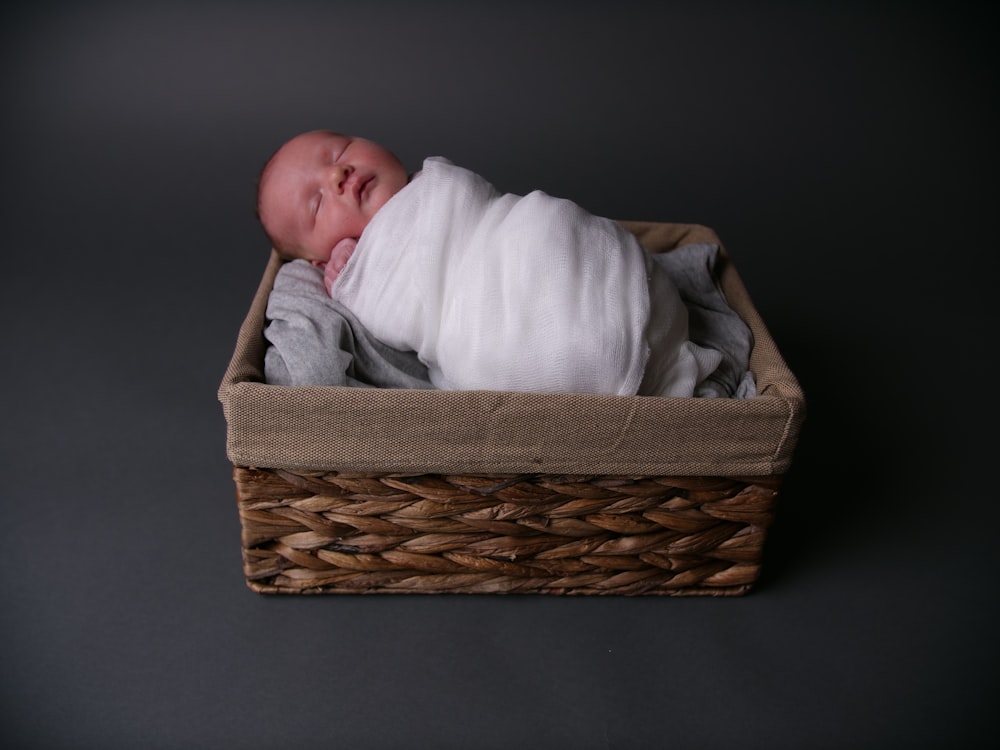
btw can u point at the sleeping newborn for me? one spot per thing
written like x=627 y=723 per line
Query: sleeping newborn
x=490 y=290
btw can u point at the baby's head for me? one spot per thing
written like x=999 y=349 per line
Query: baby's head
x=322 y=187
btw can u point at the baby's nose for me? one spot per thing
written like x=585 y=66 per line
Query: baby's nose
x=338 y=176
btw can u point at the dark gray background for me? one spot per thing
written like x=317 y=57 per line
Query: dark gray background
x=845 y=152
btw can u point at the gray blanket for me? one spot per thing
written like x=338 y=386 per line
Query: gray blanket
x=313 y=340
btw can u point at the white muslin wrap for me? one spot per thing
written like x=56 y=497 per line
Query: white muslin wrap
x=529 y=293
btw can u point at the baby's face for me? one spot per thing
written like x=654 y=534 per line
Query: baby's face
x=323 y=187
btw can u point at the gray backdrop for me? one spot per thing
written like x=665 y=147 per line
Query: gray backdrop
x=845 y=152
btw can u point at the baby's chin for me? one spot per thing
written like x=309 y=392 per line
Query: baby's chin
x=385 y=188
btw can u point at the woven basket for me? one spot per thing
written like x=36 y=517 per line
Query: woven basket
x=350 y=490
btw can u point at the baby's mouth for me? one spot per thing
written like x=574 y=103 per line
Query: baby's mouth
x=361 y=188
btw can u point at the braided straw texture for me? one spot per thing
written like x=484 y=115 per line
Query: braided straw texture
x=328 y=532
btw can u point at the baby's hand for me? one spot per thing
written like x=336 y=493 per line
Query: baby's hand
x=342 y=252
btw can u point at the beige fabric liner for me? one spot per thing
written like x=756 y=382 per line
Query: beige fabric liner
x=493 y=432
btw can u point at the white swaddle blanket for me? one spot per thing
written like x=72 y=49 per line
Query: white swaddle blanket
x=531 y=293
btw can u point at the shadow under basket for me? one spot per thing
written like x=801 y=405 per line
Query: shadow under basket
x=359 y=490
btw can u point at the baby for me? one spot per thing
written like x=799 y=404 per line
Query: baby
x=318 y=192
x=492 y=291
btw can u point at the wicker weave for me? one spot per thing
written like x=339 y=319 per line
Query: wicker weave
x=329 y=532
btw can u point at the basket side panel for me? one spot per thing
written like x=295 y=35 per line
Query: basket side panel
x=330 y=532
